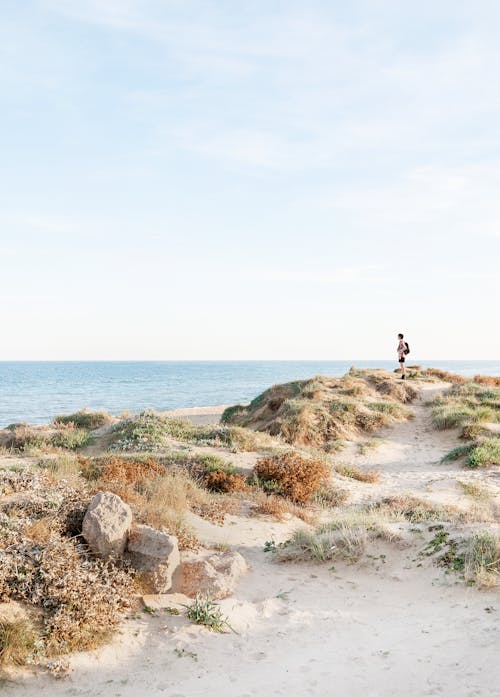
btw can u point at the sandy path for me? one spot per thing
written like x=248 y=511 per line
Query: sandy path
x=409 y=458
x=382 y=628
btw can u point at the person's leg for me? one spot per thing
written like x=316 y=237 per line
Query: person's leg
x=403 y=370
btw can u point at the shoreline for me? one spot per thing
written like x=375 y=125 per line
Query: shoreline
x=202 y=416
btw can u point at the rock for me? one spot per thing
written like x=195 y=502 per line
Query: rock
x=215 y=576
x=156 y=555
x=106 y=524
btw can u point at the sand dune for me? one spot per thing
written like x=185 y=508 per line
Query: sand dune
x=392 y=624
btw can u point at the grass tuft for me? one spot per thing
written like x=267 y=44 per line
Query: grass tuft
x=208 y=613
x=368 y=476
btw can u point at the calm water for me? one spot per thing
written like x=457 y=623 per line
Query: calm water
x=37 y=391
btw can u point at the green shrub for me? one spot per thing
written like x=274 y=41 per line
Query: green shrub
x=84 y=419
x=71 y=439
x=484 y=454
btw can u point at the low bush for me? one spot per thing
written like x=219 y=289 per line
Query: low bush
x=294 y=476
x=487 y=380
x=89 y=420
x=484 y=452
x=71 y=439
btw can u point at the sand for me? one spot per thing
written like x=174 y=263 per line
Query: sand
x=382 y=628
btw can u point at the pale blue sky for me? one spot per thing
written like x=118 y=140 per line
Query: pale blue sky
x=249 y=179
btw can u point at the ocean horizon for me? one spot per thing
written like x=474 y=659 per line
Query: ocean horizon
x=37 y=391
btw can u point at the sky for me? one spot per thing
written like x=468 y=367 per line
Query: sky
x=249 y=179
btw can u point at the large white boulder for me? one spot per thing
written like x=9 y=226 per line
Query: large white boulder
x=106 y=524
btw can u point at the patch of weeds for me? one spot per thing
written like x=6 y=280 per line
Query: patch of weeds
x=182 y=653
x=171 y=610
x=451 y=558
x=367 y=446
x=208 y=613
x=475 y=490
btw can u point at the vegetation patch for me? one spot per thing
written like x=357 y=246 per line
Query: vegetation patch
x=208 y=613
x=368 y=476
x=79 y=598
x=482 y=559
x=484 y=452
x=322 y=411
x=151 y=431
x=416 y=510
x=84 y=418
x=293 y=476
x=467 y=405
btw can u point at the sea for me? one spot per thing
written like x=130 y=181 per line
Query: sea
x=36 y=391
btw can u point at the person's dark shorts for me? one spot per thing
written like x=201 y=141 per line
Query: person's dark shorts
x=402 y=359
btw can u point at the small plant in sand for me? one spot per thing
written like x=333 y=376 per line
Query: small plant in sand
x=367 y=446
x=476 y=490
x=368 y=476
x=206 y=612
x=295 y=477
x=482 y=559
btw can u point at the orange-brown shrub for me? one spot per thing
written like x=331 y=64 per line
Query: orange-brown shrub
x=296 y=477
x=489 y=380
x=223 y=482
x=122 y=471
x=445 y=375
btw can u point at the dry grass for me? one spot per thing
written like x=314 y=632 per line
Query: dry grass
x=294 y=476
x=322 y=411
x=416 y=510
x=63 y=468
x=345 y=542
x=18 y=641
x=366 y=446
x=280 y=508
x=476 y=490
x=482 y=559
x=368 y=476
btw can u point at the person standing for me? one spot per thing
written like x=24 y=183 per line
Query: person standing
x=403 y=350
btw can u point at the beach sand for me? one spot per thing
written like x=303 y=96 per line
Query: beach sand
x=393 y=624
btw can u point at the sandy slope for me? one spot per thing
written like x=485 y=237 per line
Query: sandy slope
x=385 y=627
